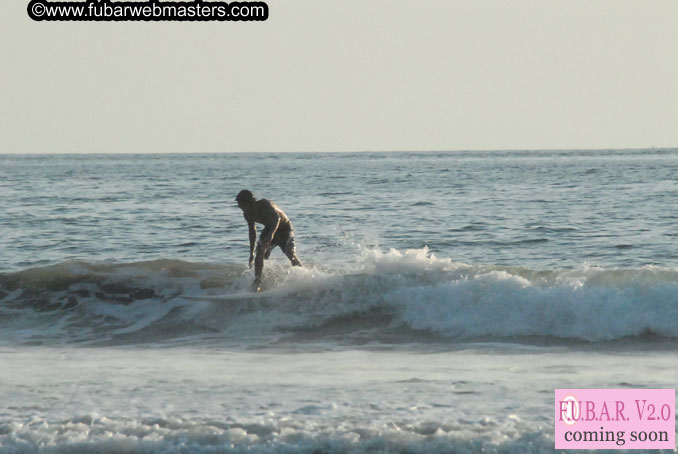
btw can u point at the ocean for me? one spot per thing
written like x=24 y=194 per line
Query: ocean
x=444 y=296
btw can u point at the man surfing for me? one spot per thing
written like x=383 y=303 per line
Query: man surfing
x=277 y=232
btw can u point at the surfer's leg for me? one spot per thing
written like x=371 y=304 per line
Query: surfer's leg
x=290 y=250
x=293 y=258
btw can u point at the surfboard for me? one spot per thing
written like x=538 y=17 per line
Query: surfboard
x=236 y=296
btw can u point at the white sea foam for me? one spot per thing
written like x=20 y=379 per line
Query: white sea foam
x=203 y=400
x=103 y=435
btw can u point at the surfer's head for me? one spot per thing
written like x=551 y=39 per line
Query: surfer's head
x=244 y=197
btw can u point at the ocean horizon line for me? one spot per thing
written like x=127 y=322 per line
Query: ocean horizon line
x=366 y=151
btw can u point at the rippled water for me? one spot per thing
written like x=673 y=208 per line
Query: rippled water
x=534 y=209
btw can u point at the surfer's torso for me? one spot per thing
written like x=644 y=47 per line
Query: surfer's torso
x=268 y=214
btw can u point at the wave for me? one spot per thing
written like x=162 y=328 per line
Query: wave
x=394 y=296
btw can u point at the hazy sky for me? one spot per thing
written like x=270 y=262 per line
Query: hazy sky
x=354 y=75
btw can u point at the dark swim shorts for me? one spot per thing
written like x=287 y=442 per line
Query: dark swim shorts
x=283 y=238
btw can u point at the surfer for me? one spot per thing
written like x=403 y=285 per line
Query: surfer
x=277 y=232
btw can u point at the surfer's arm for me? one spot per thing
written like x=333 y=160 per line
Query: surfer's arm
x=253 y=238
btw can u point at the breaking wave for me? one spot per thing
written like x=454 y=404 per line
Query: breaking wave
x=389 y=297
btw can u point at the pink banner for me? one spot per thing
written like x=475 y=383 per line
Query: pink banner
x=615 y=419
